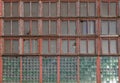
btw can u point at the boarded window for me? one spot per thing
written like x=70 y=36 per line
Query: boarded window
x=26 y=9
x=6 y=9
x=64 y=27
x=15 y=9
x=104 y=9
x=45 y=9
x=45 y=27
x=83 y=9
x=34 y=9
x=64 y=9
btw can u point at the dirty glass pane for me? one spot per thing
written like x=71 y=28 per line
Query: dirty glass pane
x=15 y=9
x=45 y=27
x=64 y=9
x=26 y=27
x=11 y=70
x=91 y=46
x=68 y=70
x=6 y=9
x=105 y=46
x=26 y=46
x=72 y=46
x=53 y=9
x=83 y=46
x=88 y=70
x=7 y=27
x=30 y=69
x=15 y=46
x=45 y=9
x=112 y=27
x=83 y=9
x=113 y=47
x=34 y=9
x=112 y=11
x=26 y=9
x=104 y=27
x=64 y=27
x=53 y=46
x=83 y=27
x=91 y=27
x=45 y=46
x=72 y=27
x=64 y=46
x=15 y=27
x=34 y=27
x=49 y=70
x=91 y=9
x=72 y=9
x=7 y=46
x=34 y=46
x=53 y=29
x=109 y=70
x=104 y=9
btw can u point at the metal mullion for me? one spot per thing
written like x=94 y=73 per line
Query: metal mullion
x=40 y=77
x=78 y=69
x=58 y=69
x=21 y=69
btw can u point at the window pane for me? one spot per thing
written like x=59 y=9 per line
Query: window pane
x=72 y=46
x=7 y=27
x=27 y=27
x=72 y=28
x=83 y=9
x=6 y=9
x=15 y=46
x=112 y=11
x=26 y=46
x=45 y=9
x=91 y=47
x=15 y=9
x=45 y=27
x=34 y=27
x=64 y=27
x=113 y=27
x=113 y=47
x=72 y=9
x=64 y=46
x=53 y=27
x=105 y=46
x=26 y=9
x=34 y=46
x=104 y=27
x=83 y=27
x=7 y=46
x=15 y=27
x=64 y=9
x=83 y=46
x=104 y=9
x=45 y=47
x=92 y=9
x=53 y=9
x=53 y=46
x=91 y=27
x=34 y=9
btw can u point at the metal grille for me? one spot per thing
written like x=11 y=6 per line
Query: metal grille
x=87 y=69
x=11 y=70
x=49 y=70
x=109 y=69
x=68 y=70
x=30 y=69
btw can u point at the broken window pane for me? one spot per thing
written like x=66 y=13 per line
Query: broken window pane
x=7 y=46
x=45 y=46
x=15 y=27
x=53 y=46
x=91 y=47
x=104 y=9
x=53 y=29
x=15 y=46
x=113 y=47
x=112 y=11
x=45 y=27
x=72 y=9
x=34 y=46
x=72 y=46
x=64 y=46
x=72 y=28
x=104 y=27
x=83 y=9
x=26 y=27
x=53 y=9
x=34 y=27
x=91 y=9
x=105 y=46
x=64 y=27
x=34 y=9
x=26 y=46
x=15 y=9
x=26 y=9
x=45 y=9
x=83 y=46
x=6 y=9
x=64 y=9
x=7 y=27
x=112 y=27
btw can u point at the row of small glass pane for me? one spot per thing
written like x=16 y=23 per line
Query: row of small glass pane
x=32 y=9
x=49 y=27
x=68 y=69
x=67 y=46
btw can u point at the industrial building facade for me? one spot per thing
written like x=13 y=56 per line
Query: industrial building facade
x=59 y=41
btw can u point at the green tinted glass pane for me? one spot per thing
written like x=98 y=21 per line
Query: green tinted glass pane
x=109 y=70
x=11 y=69
x=87 y=69
x=68 y=70
x=49 y=70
